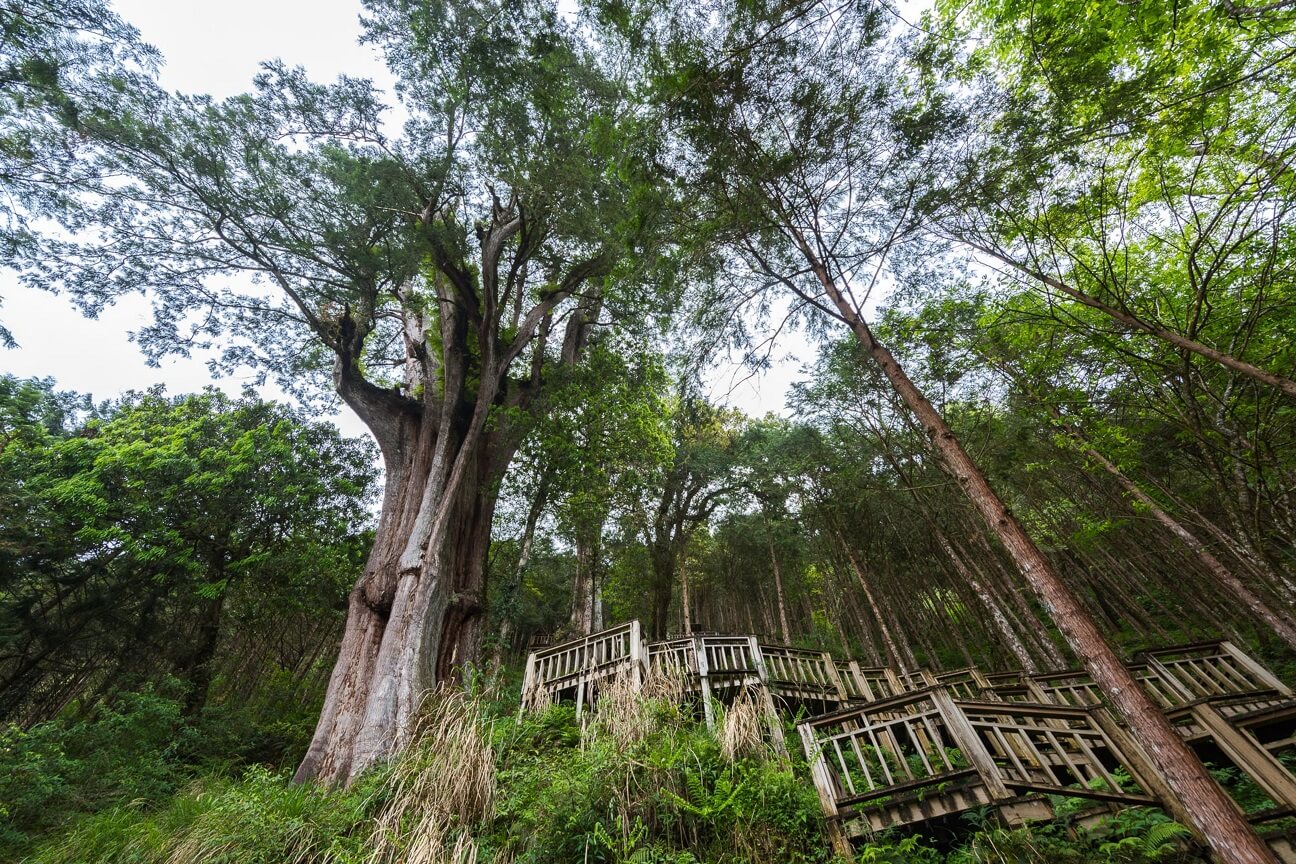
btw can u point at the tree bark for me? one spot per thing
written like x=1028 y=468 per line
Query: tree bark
x=585 y=592
x=1210 y=812
x=784 y=630
x=686 y=614
x=988 y=600
x=905 y=661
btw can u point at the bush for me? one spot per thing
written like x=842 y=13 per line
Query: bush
x=646 y=784
x=125 y=752
x=261 y=818
x=137 y=750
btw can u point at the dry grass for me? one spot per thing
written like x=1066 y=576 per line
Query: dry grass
x=666 y=683
x=741 y=729
x=620 y=713
x=441 y=787
x=628 y=713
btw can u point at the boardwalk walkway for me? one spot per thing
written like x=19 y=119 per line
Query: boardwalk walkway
x=890 y=748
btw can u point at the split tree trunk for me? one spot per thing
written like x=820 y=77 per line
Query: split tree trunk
x=414 y=615
x=1208 y=809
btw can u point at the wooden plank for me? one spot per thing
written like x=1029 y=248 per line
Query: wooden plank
x=967 y=740
x=1248 y=754
x=1246 y=661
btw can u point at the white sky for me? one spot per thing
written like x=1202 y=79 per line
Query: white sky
x=215 y=47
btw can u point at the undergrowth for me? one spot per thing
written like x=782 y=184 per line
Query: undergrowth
x=639 y=780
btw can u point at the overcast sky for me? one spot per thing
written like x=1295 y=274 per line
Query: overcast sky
x=215 y=47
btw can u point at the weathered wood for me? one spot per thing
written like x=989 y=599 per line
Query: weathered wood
x=887 y=760
x=970 y=743
x=1248 y=754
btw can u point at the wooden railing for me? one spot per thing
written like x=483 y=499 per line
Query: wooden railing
x=573 y=665
x=931 y=747
x=881 y=681
x=1209 y=669
x=907 y=747
x=899 y=744
x=798 y=673
x=1051 y=749
x=1069 y=688
x=674 y=657
x=966 y=683
x=731 y=655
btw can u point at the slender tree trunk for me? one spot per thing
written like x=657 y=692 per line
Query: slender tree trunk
x=991 y=604
x=784 y=630
x=685 y=612
x=663 y=587
x=905 y=662
x=1211 y=813
x=1280 y=625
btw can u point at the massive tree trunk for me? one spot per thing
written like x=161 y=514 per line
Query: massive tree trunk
x=586 y=596
x=411 y=626
x=1202 y=802
x=662 y=589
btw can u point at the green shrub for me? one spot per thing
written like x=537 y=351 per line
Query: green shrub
x=261 y=818
x=124 y=752
x=670 y=796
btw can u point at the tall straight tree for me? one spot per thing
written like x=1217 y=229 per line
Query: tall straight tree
x=807 y=148
x=436 y=278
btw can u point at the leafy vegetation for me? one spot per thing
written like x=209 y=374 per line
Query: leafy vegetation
x=1045 y=254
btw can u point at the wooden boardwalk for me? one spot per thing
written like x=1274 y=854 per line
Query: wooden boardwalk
x=890 y=748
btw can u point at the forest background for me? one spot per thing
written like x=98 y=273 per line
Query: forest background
x=1042 y=252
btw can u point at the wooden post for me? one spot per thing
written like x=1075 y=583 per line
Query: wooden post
x=528 y=681
x=772 y=721
x=863 y=685
x=1258 y=763
x=638 y=654
x=758 y=660
x=827 y=795
x=967 y=739
x=704 y=680
x=1254 y=667
x=1036 y=691
x=831 y=665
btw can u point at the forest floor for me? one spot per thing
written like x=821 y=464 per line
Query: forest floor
x=640 y=781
